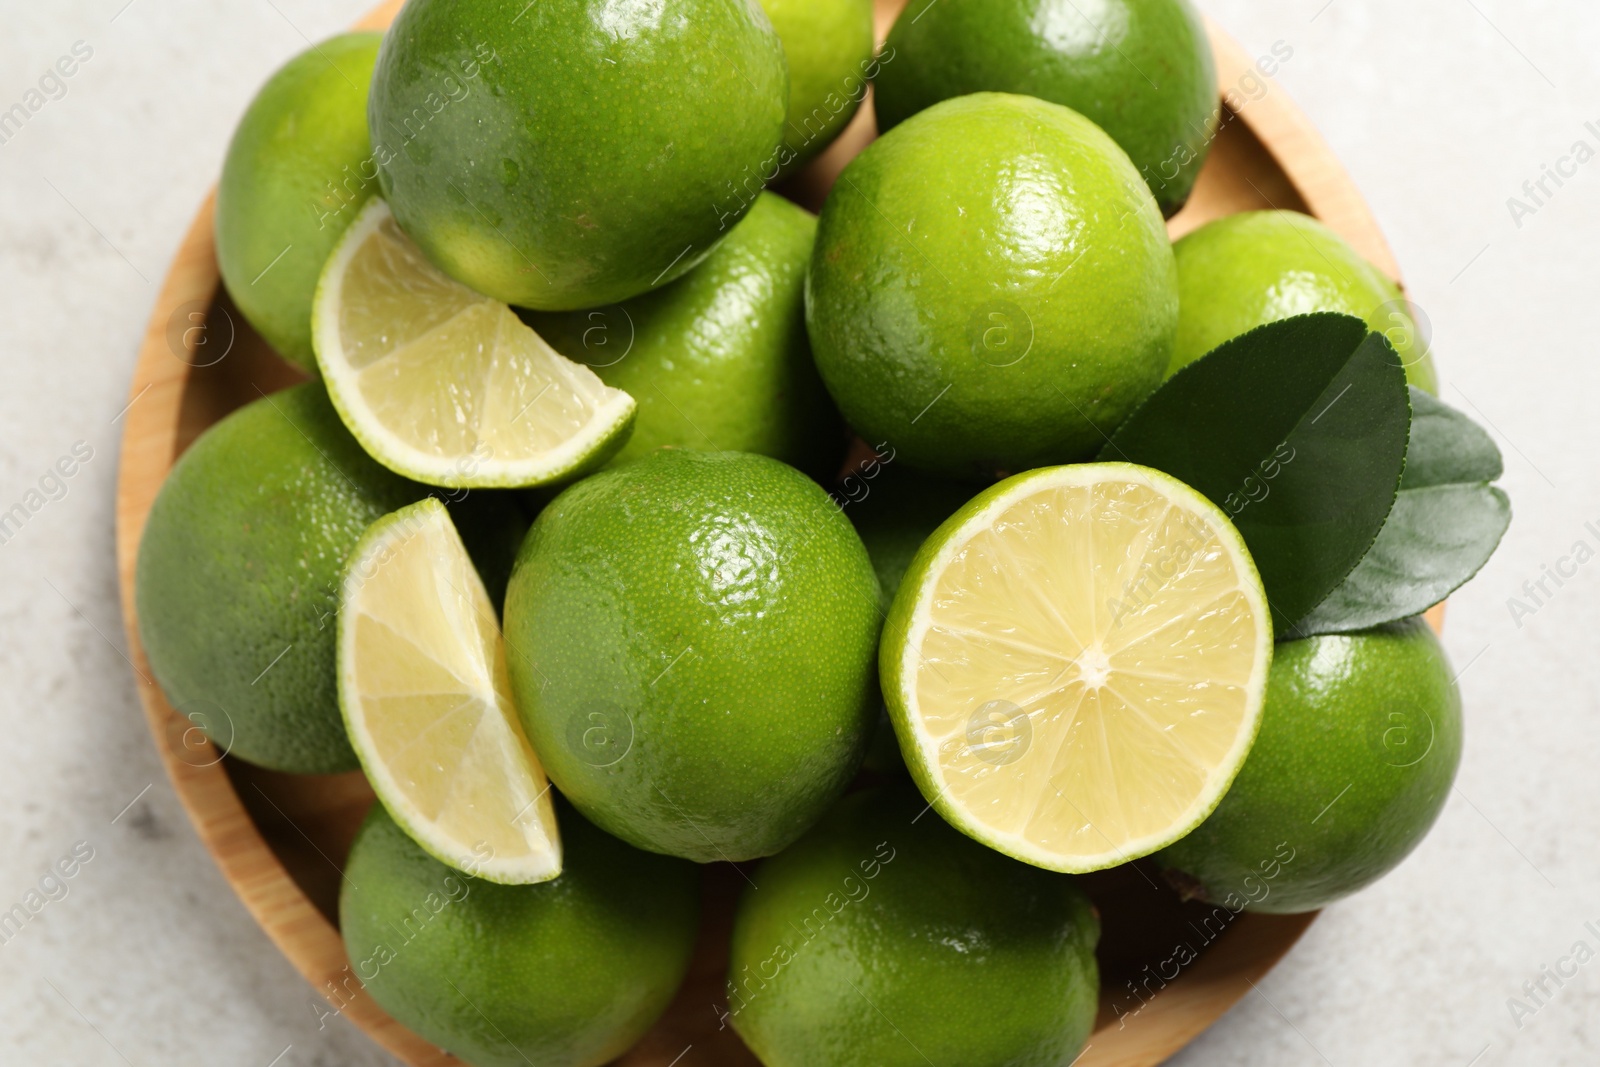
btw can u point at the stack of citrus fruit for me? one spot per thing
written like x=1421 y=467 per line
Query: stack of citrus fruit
x=542 y=278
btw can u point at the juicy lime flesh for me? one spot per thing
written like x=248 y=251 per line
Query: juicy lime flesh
x=1090 y=669
x=446 y=385
x=298 y=167
x=427 y=702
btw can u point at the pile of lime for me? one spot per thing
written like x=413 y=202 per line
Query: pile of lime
x=632 y=510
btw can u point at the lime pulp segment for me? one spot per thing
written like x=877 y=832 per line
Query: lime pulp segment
x=1082 y=664
x=445 y=385
x=426 y=701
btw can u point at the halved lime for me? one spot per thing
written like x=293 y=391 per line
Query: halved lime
x=427 y=705
x=444 y=385
x=1076 y=662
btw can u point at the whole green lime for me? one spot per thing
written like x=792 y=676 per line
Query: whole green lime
x=718 y=360
x=828 y=45
x=992 y=288
x=1140 y=69
x=894 y=510
x=691 y=644
x=573 y=153
x=1359 y=744
x=239 y=571
x=1256 y=267
x=567 y=973
x=884 y=938
x=298 y=168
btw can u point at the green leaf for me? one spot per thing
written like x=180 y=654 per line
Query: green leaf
x=1447 y=448
x=1297 y=430
x=1445 y=525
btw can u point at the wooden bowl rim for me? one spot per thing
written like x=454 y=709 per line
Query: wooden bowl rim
x=1184 y=1007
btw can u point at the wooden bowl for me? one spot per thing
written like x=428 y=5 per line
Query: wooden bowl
x=280 y=839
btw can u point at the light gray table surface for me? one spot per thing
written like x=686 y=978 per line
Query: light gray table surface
x=1440 y=109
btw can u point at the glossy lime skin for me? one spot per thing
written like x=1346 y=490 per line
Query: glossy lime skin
x=240 y=563
x=573 y=153
x=1256 y=267
x=718 y=360
x=992 y=288
x=828 y=45
x=691 y=641
x=567 y=973
x=1142 y=70
x=885 y=939
x=1359 y=744
x=297 y=170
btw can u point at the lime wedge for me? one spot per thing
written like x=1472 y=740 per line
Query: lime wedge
x=1076 y=662
x=427 y=705
x=447 y=386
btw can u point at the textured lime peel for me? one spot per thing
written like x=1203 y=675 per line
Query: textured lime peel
x=1076 y=663
x=427 y=705
x=445 y=385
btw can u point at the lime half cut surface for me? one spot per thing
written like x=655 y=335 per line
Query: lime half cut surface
x=444 y=385
x=427 y=704
x=1076 y=662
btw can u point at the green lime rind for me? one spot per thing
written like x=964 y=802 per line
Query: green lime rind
x=992 y=288
x=718 y=360
x=567 y=973
x=1142 y=70
x=297 y=168
x=897 y=657
x=884 y=938
x=1255 y=267
x=572 y=155
x=238 y=576
x=895 y=511
x=1359 y=745
x=691 y=641
x=828 y=46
